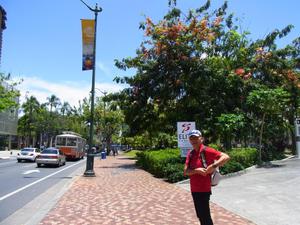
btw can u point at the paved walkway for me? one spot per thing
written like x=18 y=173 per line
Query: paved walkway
x=122 y=194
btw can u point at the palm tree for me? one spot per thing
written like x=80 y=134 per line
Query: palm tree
x=30 y=107
x=53 y=102
x=65 y=108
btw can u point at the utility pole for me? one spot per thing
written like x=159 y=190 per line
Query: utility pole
x=89 y=172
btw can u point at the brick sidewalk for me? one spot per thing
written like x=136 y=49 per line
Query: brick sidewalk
x=122 y=194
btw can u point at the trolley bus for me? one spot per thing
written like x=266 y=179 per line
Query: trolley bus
x=71 y=144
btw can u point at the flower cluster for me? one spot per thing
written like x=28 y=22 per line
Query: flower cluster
x=241 y=72
x=165 y=35
x=262 y=55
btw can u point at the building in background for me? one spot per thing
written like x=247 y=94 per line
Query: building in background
x=9 y=118
x=8 y=129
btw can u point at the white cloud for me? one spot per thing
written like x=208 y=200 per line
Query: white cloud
x=106 y=70
x=66 y=91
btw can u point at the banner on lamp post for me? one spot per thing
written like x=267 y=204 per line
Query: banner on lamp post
x=88 y=36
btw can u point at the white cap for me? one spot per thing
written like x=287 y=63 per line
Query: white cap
x=196 y=133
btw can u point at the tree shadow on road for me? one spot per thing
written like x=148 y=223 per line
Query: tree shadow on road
x=268 y=165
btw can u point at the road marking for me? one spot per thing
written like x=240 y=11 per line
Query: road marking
x=33 y=183
x=4 y=157
x=31 y=171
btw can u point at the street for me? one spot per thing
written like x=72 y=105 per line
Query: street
x=23 y=182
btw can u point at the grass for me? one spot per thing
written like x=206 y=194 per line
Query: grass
x=131 y=153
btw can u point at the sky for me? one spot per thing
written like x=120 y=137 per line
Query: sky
x=42 y=43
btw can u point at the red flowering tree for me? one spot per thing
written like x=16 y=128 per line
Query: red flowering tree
x=197 y=66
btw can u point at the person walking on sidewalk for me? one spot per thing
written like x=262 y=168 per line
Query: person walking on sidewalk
x=200 y=177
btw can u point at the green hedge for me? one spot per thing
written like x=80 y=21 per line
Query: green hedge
x=240 y=158
x=168 y=164
x=173 y=172
x=165 y=163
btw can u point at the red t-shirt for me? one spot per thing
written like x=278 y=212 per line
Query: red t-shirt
x=198 y=182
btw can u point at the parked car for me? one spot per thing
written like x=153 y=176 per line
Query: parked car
x=51 y=156
x=28 y=154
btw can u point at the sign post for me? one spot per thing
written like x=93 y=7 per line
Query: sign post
x=183 y=129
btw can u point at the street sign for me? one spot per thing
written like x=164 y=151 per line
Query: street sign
x=297 y=127
x=297 y=122
x=183 y=128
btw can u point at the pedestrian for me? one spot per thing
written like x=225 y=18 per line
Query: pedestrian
x=200 y=177
x=115 y=151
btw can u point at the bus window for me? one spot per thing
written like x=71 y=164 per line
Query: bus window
x=61 y=141
x=71 y=142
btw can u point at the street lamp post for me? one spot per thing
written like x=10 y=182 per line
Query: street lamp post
x=89 y=171
x=104 y=117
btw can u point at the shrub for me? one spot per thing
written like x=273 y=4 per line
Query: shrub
x=246 y=156
x=216 y=146
x=168 y=164
x=271 y=152
x=231 y=167
x=155 y=161
x=173 y=172
x=240 y=158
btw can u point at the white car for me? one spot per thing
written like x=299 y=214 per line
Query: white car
x=28 y=154
x=51 y=156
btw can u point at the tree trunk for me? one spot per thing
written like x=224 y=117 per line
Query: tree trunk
x=260 y=138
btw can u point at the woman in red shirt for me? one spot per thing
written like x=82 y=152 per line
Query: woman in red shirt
x=200 y=177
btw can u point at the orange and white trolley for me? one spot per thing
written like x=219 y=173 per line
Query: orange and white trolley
x=71 y=144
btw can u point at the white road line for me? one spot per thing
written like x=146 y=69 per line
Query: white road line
x=31 y=171
x=4 y=157
x=29 y=185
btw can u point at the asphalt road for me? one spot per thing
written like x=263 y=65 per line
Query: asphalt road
x=266 y=196
x=23 y=182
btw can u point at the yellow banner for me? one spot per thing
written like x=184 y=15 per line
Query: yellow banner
x=88 y=36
